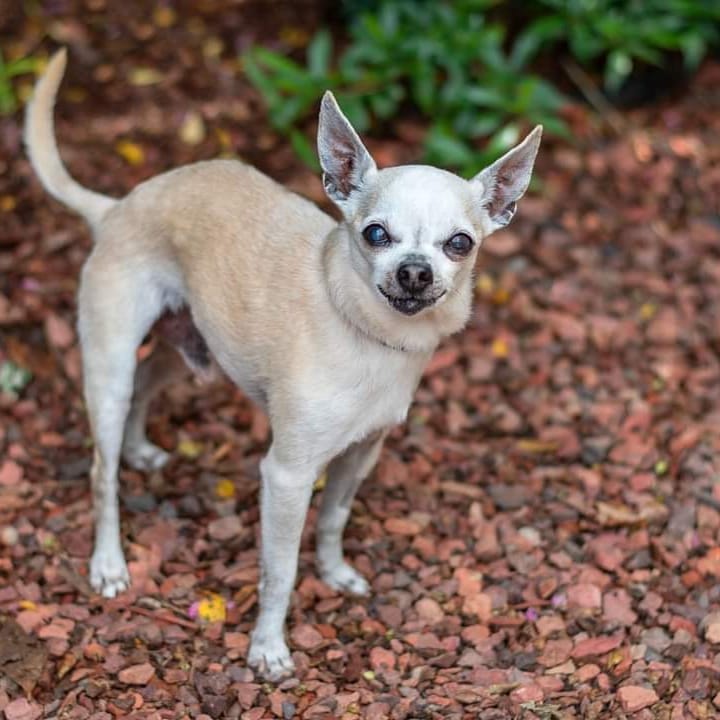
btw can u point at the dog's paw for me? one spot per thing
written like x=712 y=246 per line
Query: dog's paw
x=347 y=579
x=108 y=572
x=145 y=456
x=271 y=659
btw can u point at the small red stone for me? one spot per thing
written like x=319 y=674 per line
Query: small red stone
x=10 y=473
x=236 y=641
x=587 y=672
x=635 y=697
x=137 y=674
x=21 y=709
x=382 y=659
x=174 y=676
x=59 y=332
x=306 y=637
x=527 y=693
x=479 y=605
x=225 y=528
x=475 y=634
x=402 y=526
x=469 y=581
x=429 y=611
x=584 y=596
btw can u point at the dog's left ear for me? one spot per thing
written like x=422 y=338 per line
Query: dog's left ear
x=504 y=182
x=345 y=161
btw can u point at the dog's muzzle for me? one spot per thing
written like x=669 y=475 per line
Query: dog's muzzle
x=409 y=305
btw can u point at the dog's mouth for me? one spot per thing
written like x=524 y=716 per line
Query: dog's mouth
x=409 y=305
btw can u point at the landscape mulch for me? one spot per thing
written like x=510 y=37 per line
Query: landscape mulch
x=542 y=536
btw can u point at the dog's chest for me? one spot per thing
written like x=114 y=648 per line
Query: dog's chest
x=363 y=393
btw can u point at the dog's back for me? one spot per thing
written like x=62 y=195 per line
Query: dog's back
x=213 y=207
x=213 y=234
x=234 y=201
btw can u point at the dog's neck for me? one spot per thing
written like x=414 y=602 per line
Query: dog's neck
x=361 y=307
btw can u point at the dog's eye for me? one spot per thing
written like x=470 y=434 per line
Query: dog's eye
x=376 y=235
x=458 y=245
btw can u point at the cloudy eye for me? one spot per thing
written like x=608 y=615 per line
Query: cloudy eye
x=376 y=235
x=458 y=246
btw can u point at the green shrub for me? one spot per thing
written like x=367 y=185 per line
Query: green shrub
x=442 y=58
x=455 y=66
x=618 y=33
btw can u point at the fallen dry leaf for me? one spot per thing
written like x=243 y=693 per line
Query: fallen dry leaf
x=22 y=658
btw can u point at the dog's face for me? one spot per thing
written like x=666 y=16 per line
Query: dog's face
x=415 y=230
x=413 y=236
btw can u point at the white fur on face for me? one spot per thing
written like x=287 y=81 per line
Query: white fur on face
x=421 y=208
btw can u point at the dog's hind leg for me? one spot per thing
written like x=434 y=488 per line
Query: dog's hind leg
x=156 y=372
x=116 y=309
x=344 y=476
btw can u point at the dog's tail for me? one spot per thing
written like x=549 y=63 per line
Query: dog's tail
x=43 y=151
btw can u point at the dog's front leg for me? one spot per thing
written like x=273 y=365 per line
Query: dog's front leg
x=344 y=476
x=285 y=496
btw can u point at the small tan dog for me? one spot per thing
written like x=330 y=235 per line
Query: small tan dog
x=327 y=325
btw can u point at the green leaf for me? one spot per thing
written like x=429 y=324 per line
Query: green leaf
x=502 y=140
x=354 y=108
x=286 y=73
x=13 y=378
x=472 y=124
x=385 y=104
x=8 y=104
x=318 y=54
x=650 y=55
x=485 y=97
x=388 y=18
x=552 y=125
x=289 y=110
x=611 y=28
x=490 y=51
x=617 y=67
x=423 y=88
x=452 y=93
x=260 y=79
x=304 y=150
x=536 y=36
x=694 y=49
x=442 y=147
x=544 y=96
x=585 y=43
x=22 y=66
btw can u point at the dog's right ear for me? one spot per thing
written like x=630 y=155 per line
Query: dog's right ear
x=345 y=161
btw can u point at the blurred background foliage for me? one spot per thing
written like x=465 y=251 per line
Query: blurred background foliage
x=478 y=72
x=471 y=75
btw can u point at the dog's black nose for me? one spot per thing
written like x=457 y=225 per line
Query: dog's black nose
x=414 y=277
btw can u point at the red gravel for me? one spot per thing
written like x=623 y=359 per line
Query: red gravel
x=542 y=536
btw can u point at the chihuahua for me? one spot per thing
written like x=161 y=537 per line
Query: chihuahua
x=326 y=325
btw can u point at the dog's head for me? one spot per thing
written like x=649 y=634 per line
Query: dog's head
x=415 y=230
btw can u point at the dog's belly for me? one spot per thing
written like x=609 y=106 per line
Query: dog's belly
x=178 y=329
